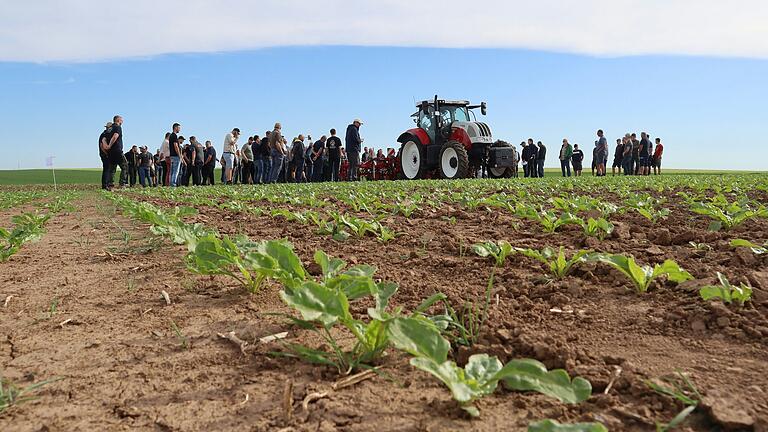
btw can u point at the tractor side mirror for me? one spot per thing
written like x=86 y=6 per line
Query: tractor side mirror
x=483 y=108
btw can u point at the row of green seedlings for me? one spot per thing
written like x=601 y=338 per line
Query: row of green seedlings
x=641 y=276
x=29 y=226
x=13 y=199
x=324 y=306
x=725 y=214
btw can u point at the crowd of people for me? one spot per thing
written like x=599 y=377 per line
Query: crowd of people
x=272 y=158
x=268 y=159
x=631 y=156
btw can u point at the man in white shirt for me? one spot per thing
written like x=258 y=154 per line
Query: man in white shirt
x=230 y=147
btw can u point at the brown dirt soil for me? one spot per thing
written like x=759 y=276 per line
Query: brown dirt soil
x=123 y=367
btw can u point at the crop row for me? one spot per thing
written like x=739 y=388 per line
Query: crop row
x=29 y=226
x=323 y=304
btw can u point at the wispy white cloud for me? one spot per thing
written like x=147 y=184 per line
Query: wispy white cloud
x=89 y=30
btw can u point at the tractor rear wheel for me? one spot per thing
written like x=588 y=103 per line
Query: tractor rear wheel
x=503 y=172
x=454 y=161
x=411 y=160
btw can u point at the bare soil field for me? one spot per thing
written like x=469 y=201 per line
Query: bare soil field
x=87 y=309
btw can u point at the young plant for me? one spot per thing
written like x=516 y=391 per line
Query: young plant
x=558 y=264
x=648 y=207
x=27 y=227
x=727 y=215
x=548 y=219
x=497 y=250
x=482 y=372
x=681 y=388
x=553 y=426
x=463 y=326
x=756 y=249
x=726 y=292
x=11 y=395
x=596 y=227
x=183 y=340
x=642 y=276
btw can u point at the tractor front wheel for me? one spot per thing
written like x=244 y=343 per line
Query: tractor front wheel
x=454 y=161
x=411 y=160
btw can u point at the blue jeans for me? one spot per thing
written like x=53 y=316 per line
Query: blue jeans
x=626 y=164
x=354 y=161
x=266 y=165
x=277 y=165
x=565 y=164
x=144 y=176
x=256 y=168
x=317 y=170
x=540 y=168
x=175 y=164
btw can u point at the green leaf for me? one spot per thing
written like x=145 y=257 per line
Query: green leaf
x=532 y=375
x=672 y=270
x=316 y=302
x=477 y=379
x=382 y=292
x=553 y=426
x=418 y=337
x=330 y=266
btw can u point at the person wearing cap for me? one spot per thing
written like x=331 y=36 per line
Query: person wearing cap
x=174 y=150
x=353 y=143
x=104 y=156
x=144 y=162
x=277 y=152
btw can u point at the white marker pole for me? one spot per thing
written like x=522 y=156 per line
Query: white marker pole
x=49 y=162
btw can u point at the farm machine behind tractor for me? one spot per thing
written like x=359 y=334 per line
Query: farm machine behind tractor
x=448 y=143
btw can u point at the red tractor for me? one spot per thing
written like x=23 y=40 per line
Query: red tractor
x=450 y=144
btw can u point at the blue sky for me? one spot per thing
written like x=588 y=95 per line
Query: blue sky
x=710 y=112
x=689 y=71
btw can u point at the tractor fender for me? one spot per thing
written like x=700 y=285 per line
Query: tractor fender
x=416 y=134
x=460 y=135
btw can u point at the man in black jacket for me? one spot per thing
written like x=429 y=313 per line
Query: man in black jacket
x=132 y=156
x=115 y=149
x=104 y=156
x=353 y=142
x=541 y=155
x=533 y=155
x=334 y=155
x=209 y=165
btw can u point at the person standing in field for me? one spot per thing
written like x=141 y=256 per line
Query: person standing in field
x=132 y=156
x=577 y=158
x=230 y=148
x=115 y=149
x=541 y=155
x=334 y=155
x=644 y=154
x=255 y=171
x=602 y=152
x=144 y=165
x=165 y=151
x=635 y=168
x=618 y=156
x=657 y=157
x=104 y=155
x=209 y=164
x=533 y=156
x=187 y=160
x=246 y=160
x=277 y=152
x=525 y=154
x=159 y=162
x=238 y=168
x=266 y=158
x=566 y=152
x=318 y=150
x=197 y=164
x=297 y=159
x=353 y=143
x=174 y=150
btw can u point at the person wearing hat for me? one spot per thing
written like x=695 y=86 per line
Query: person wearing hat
x=353 y=143
x=104 y=156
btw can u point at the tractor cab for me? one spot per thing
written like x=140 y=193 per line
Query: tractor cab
x=448 y=139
